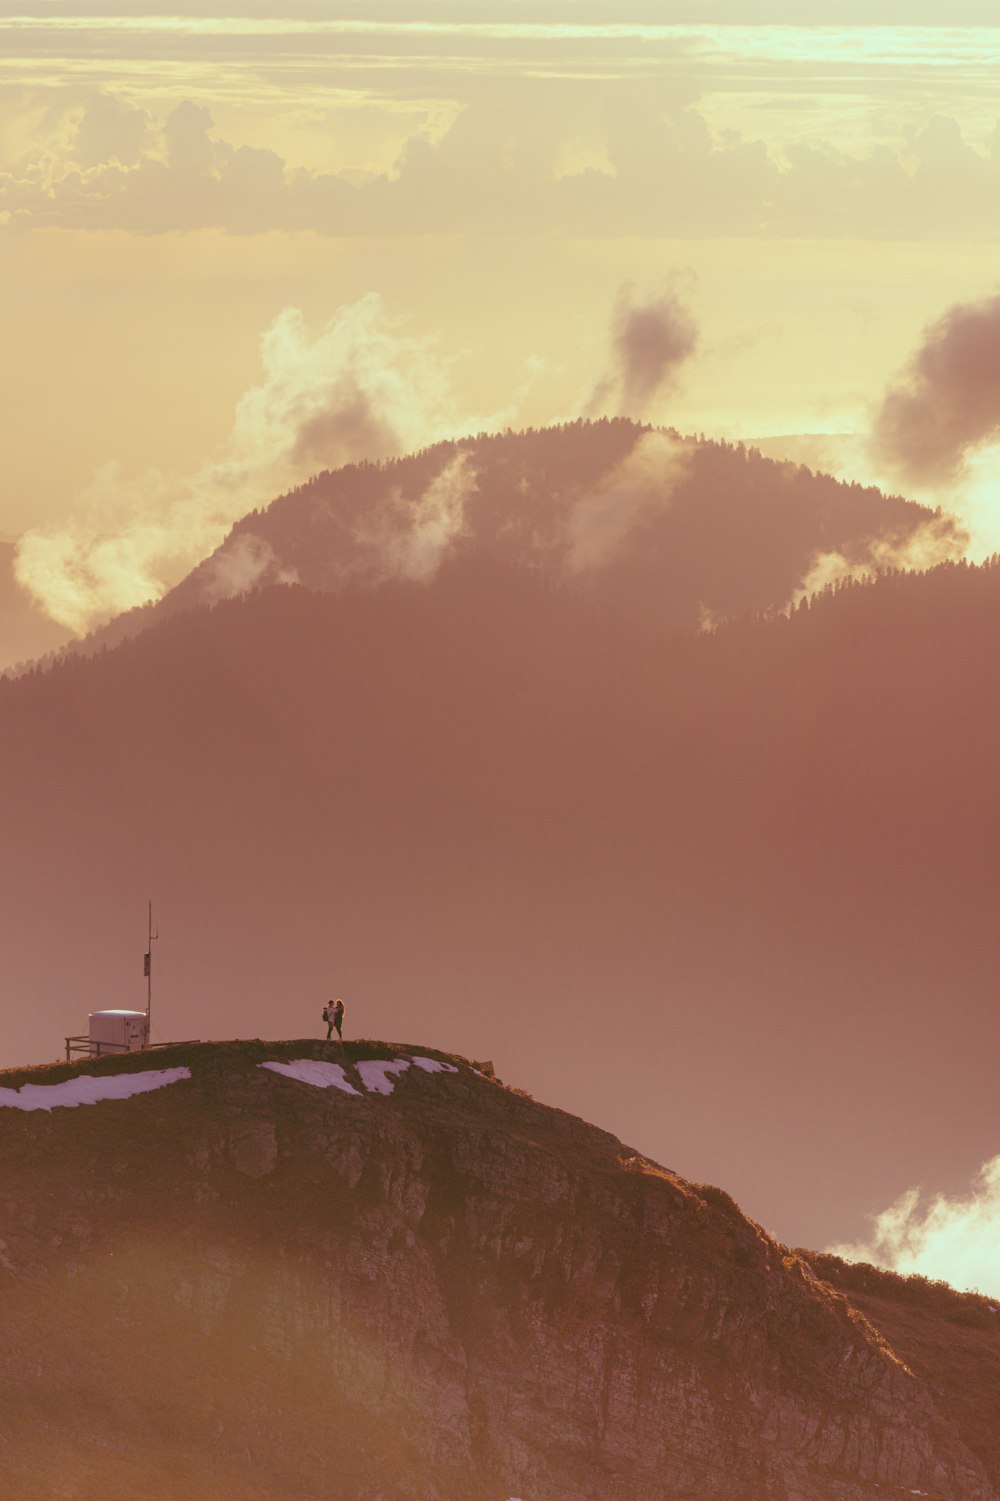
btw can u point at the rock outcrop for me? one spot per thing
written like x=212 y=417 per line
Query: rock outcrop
x=249 y=1284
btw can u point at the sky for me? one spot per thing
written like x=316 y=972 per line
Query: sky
x=201 y=205
x=215 y=217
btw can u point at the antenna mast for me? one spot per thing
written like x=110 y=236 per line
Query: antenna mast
x=148 y=970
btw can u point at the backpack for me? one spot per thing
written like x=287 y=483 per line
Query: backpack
x=326 y=1013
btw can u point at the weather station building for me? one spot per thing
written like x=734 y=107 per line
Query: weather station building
x=110 y=1032
x=119 y=1031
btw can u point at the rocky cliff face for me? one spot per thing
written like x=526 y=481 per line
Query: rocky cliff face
x=414 y=1284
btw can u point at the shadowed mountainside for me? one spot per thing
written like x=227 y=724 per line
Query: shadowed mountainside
x=676 y=530
x=246 y=1286
x=730 y=892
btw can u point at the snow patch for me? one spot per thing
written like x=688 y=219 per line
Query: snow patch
x=375 y=1074
x=312 y=1071
x=88 y=1089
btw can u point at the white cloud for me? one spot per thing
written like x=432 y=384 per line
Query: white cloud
x=359 y=389
x=247 y=562
x=436 y=519
x=951 y=1240
x=941 y=539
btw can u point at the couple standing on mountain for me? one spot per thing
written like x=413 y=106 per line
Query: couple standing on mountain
x=333 y=1015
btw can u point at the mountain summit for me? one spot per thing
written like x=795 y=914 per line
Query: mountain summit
x=676 y=531
x=260 y=1270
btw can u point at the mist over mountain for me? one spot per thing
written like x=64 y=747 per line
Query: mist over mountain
x=678 y=530
x=729 y=895
x=26 y=632
x=370 y=1271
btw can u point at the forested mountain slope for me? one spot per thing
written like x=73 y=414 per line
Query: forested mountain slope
x=731 y=894
x=677 y=530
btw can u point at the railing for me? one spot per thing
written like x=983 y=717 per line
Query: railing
x=89 y=1047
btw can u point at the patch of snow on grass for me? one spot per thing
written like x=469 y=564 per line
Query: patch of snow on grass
x=88 y=1089
x=375 y=1073
x=435 y=1066
x=312 y=1071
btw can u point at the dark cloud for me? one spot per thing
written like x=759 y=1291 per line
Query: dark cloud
x=347 y=428
x=650 y=341
x=947 y=402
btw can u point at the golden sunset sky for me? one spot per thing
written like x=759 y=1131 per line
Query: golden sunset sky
x=216 y=217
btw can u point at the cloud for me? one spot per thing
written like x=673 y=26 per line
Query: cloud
x=190 y=151
x=940 y=539
x=650 y=341
x=649 y=165
x=435 y=520
x=393 y=537
x=644 y=482
x=247 y=562
x=399 y=537
x=111 y=129
x=947 y=402
x=359 y=389
x=953 y=1240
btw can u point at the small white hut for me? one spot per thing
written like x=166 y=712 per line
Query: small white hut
x=118 y=1031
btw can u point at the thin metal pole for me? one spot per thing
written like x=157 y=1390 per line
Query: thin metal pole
x=150 y=940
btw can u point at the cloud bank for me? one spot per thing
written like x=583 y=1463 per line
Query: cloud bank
x=359 y=389
x=508 y=161
x=947 y=402
x=951 y=1240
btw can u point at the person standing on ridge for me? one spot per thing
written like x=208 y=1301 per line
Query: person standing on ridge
x=337 y=1017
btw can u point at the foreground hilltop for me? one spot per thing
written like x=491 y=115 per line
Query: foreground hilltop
x=257 y=1270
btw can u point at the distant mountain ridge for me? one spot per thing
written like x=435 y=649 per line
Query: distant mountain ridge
x=683 y=531
x=381 y=1274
